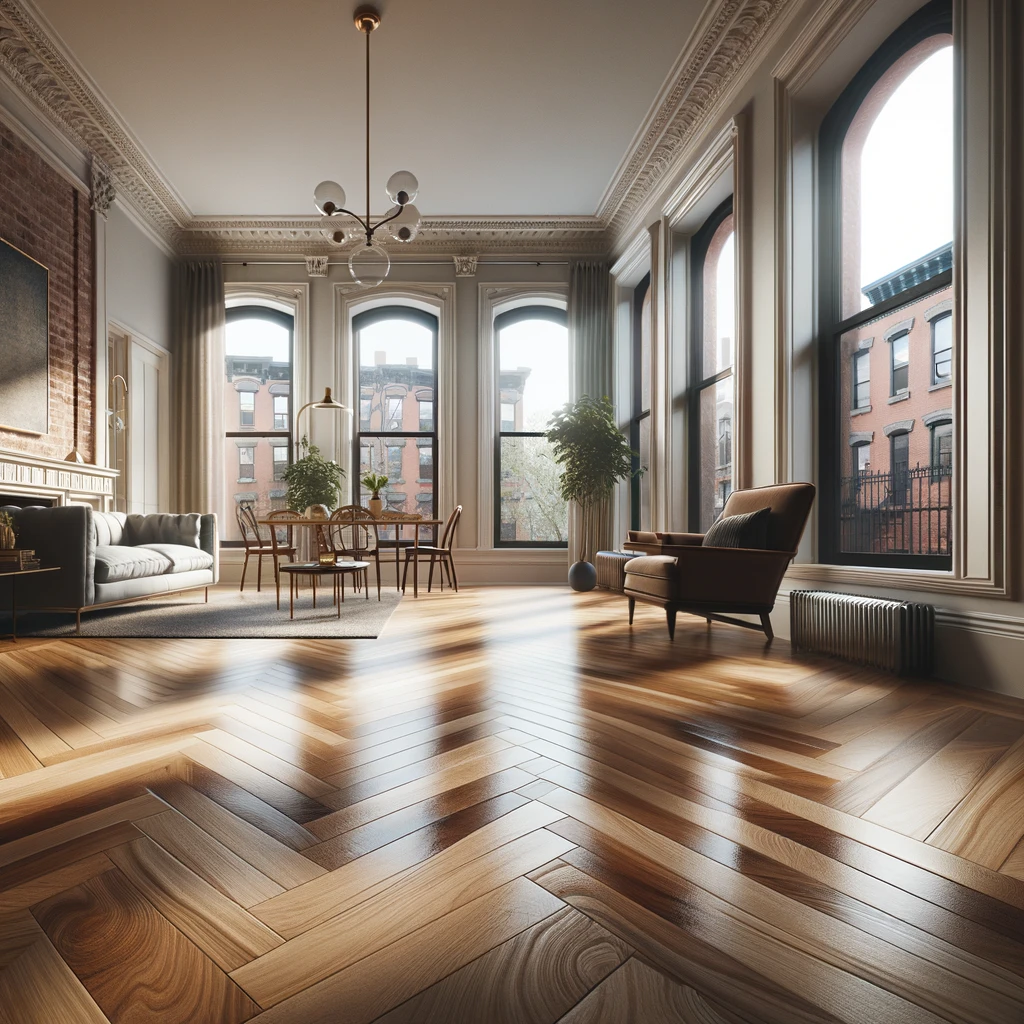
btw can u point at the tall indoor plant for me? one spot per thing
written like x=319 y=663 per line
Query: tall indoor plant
x=594 y=455
x=313 y=480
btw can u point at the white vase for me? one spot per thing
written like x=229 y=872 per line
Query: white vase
x=376 y=506
x=317 y=512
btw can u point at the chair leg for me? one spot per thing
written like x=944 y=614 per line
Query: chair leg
x=430 y=577
x=632 y=608
x=670 y=613
x=259 y=573
x=766 y=625
x=245 y=566
x=376 y=558
x=445 y=571
x=455 y=575
x=277 y=581
x=405 y=571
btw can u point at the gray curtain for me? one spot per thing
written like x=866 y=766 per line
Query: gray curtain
x=199 y=386
x=590 y=335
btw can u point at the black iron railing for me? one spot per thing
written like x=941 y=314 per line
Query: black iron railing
x=904 y=511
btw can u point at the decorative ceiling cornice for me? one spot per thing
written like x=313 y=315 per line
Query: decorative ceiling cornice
x=726 y=38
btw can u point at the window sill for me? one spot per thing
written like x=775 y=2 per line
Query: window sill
x=246 y=480
x=939 y=387
x=928 y=580
x=863 y=410
x=901 y=397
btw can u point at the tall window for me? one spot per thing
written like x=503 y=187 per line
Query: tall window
x=887 y=162
x=257 y=382
x=640 y=411
x=396 y=363
x=710 y=396
x=532 y=383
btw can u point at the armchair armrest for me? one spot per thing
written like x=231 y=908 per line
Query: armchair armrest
x=676 y=539
x=209 y=541
x=61 y=536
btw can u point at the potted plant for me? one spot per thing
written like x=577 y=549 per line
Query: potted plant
x=314 y=483
x=375 y=483
x=594 y=455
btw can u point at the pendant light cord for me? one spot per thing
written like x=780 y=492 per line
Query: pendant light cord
x=369 y=233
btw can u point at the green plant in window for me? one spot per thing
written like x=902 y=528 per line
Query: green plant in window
x=312 y=479
x=375 y=483
x=593 y=454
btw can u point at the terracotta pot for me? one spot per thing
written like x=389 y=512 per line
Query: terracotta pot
x=376 y=506
x=7 y=538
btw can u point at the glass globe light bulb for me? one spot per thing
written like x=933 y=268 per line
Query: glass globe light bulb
x=402 y=187
x=333 y=229
x=369 y=265
x=328 y=197
x=406 y=226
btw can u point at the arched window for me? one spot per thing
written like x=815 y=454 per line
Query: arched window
x=258 y=343
x=396 y=367
x=712 y=352
x=531 y=383
x=887 y=166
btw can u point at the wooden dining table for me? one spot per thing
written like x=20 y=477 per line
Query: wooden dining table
x=397 y=521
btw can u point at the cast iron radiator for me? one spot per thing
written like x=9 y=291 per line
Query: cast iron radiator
x=894 y=635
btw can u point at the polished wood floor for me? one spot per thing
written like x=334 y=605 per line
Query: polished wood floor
x=509 y=808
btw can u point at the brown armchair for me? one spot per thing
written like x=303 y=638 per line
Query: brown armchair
x=676 y=571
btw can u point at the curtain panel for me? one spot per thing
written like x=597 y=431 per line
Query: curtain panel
x=590 y=340
x=199 y=385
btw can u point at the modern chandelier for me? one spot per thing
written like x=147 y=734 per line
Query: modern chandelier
x=369 y=264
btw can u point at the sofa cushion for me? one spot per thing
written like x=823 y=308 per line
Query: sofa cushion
x=181 y=556
x=163 y=528
x=108 y=528
x=749 y=530
x=116 y=562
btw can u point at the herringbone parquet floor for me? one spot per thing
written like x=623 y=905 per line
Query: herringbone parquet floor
x=510 y=808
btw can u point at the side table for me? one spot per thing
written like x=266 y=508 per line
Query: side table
x=14 y=574
x=337 y=572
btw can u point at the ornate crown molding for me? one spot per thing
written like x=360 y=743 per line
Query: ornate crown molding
x=102 y=191
x=726 y=38
x=465 y=266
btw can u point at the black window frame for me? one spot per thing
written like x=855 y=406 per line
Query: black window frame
x=254 y=311
x=366 y=319
x=699 y=246
x=946 y=317
x=513 y=316
x=637 y=412
x=935 y=18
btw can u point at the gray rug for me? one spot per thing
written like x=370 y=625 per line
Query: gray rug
x=229 y=615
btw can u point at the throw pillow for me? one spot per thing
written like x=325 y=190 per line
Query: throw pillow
x=749 y=530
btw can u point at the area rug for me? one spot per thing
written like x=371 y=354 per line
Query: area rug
x=229 y=615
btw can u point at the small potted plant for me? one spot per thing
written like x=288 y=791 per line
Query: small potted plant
x=314 y=483
x=7 y=537
x=375 y=483
x=593 y=454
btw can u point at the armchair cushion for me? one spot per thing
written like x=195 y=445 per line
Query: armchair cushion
x=748 y=530
x=654 y=576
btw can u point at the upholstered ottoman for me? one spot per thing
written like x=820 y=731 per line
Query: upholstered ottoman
x=611 y=569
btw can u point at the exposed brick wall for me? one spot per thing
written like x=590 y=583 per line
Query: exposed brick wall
x=37 y=216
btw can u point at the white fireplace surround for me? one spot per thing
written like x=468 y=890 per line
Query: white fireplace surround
x=62 y=483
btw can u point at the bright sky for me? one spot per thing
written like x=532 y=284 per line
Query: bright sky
x=907 y=171
x=725 y=297
x=258 y=338
x=399 y=340
x=542 y=347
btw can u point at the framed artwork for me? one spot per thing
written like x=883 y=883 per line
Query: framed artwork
x=24 y=342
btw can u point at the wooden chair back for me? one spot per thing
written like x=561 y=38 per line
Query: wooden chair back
x=448 y=537
x=351 y=529
x=248 y=527
x=283 y=516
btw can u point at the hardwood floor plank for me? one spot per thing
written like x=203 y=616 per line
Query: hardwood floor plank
x=210 y=859
x=30 y=730
x=42 y=887
x=129 y=957
x=384 y=979
x=227 y=934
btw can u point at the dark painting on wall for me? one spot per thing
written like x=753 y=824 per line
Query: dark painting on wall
x=24 y=342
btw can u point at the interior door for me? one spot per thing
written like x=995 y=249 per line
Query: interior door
x=147 y=430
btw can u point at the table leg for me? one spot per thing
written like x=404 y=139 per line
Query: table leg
x=337 y=603
x=291 y=595
x=14 y=609
x=415 y=561
x=342 y=588
x=366 y=583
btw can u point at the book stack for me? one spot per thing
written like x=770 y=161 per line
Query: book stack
x=18 y=559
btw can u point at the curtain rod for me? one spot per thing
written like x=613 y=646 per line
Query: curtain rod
x=398 y=263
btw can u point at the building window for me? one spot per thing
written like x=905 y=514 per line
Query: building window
x=942 y=449
x=426 y=457
x=863 y=458
x=900 y=362
x=640 y=408
x=942 y=349
x=258 y=343
x=281 y=461
x=426 y=415
x=531 y=384
x=280 y=412
x=246 y=408
x=862 y=380
x=246 y=464
x=886 y=245
x=710 y=396
x=396 y=359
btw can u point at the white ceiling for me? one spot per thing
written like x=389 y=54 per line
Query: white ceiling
x=500 y=107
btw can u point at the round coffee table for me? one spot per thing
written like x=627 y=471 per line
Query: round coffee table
x=336 y=571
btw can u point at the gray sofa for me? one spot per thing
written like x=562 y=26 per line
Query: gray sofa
x=109 y=558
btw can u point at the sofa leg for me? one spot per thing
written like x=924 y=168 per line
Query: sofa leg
x=632 y=608
x=78 y=622
x=206 y=599
x=766 y=625
x=670 y=614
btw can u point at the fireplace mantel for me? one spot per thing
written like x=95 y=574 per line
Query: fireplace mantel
x=64 y=483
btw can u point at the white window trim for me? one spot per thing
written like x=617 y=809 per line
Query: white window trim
x=495 y=298
x=987 y=178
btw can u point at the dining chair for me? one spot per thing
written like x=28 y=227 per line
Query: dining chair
x=400 y=543
x=282 y=547
x=438 y=553
x=254 y=543
x=352 y=533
